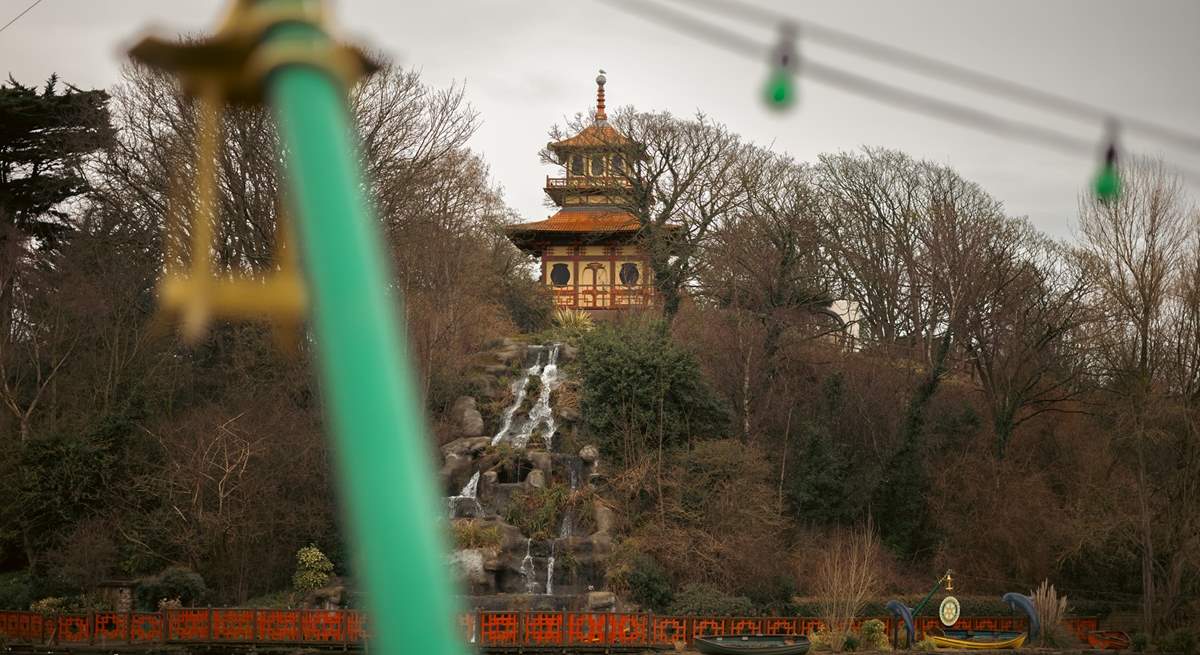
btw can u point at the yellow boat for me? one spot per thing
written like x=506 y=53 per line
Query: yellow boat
x=971 y=640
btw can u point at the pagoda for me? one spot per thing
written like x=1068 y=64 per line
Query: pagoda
x=590 y=256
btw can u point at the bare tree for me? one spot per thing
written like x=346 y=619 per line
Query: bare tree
x=847 y=576
x=1133 y=249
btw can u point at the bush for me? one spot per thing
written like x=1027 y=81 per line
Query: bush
x=649 y=584
x=926 y=644
x=851 y=642
x=705 y=600
x=313 y=569
x=1182 y=641
x=175 y=583
x=17 y=590
x=637 y=385
x=470 y=534
x=538 y=511
x=1139 y=642
x=873 y=635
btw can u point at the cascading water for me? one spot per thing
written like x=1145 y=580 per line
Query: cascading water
x=519 y=388
x=545 y=367
x=527 y=569
x=542 y=415
x=469 y=493
x=550 y=571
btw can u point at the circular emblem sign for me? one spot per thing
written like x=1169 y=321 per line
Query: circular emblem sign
x=949 y=610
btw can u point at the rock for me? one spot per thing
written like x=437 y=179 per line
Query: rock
x=601 y=601
x=567 y=353
x=455 y=472
x=568 y=414
x=541 y=460
x=511 y=351
x=470 y=568
x=536 y=478
x=605 y=516
x=466 y=417
x=466 y=447
x=589 y=453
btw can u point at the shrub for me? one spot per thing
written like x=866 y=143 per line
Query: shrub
x=649 y=585
x=705 y=600
x=573 y=323
x=639 y=386
x=850 y=642
x=313 y=569
x=1181 y=640
x=847 y=575
x=17 y=590
x=873 y=635
x=538 y=511
x=1139 y=642
x=470 y=534
x=926 y=644
x=1050 y=611
x=177 y=582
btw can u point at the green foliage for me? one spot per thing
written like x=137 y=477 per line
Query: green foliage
x=1139 y=642
x=572 y=324
x=706 y=600
x=17 y=590
x=1182 y=640
x=851 y=642
x=313 y=569
x=873 y=635
x=177 y=582
x=816 y=491
x=538 y=511
x=43 y=139
x=640 y=576
x=471 y=534
x=68 y=478
x=639 y=385
x=528 y=302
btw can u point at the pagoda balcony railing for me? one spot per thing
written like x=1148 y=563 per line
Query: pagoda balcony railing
x=587 y=182
x=603 y=296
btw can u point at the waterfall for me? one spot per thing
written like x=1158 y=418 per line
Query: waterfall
x=542 y=414
x=469 y=492
x=527 y=569
x=550 y=571
x=519 y=387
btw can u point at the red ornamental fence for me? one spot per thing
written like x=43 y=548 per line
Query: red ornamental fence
x=491 y=630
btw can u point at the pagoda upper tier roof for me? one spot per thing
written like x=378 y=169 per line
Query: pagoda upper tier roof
x=581 y=220
x=597 y=135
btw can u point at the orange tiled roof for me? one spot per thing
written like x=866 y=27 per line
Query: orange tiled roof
x=582 y=220
x=598 y=134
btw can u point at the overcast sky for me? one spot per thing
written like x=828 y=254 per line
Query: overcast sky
x=529 y=64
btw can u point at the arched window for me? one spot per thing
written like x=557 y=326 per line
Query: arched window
x=618 y=164
x=560 y=275
x=577 y=165
x=597 y=165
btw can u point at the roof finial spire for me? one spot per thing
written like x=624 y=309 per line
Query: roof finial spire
x=600 y=80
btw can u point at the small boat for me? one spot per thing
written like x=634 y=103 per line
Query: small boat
x=1109 y=640
x=752 y=645
x=978 y=640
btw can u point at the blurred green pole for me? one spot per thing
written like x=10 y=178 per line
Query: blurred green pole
x=372 y=406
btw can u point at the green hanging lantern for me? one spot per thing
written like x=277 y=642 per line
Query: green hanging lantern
x=1107 y=185
x=780 y=89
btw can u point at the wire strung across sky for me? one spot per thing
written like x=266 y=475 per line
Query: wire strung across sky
x=18 y=16
x=712 y=34
x=947 y=71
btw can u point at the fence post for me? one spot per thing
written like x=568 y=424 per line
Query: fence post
x=166 y=626
x=91 y=626
x=210 y=624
